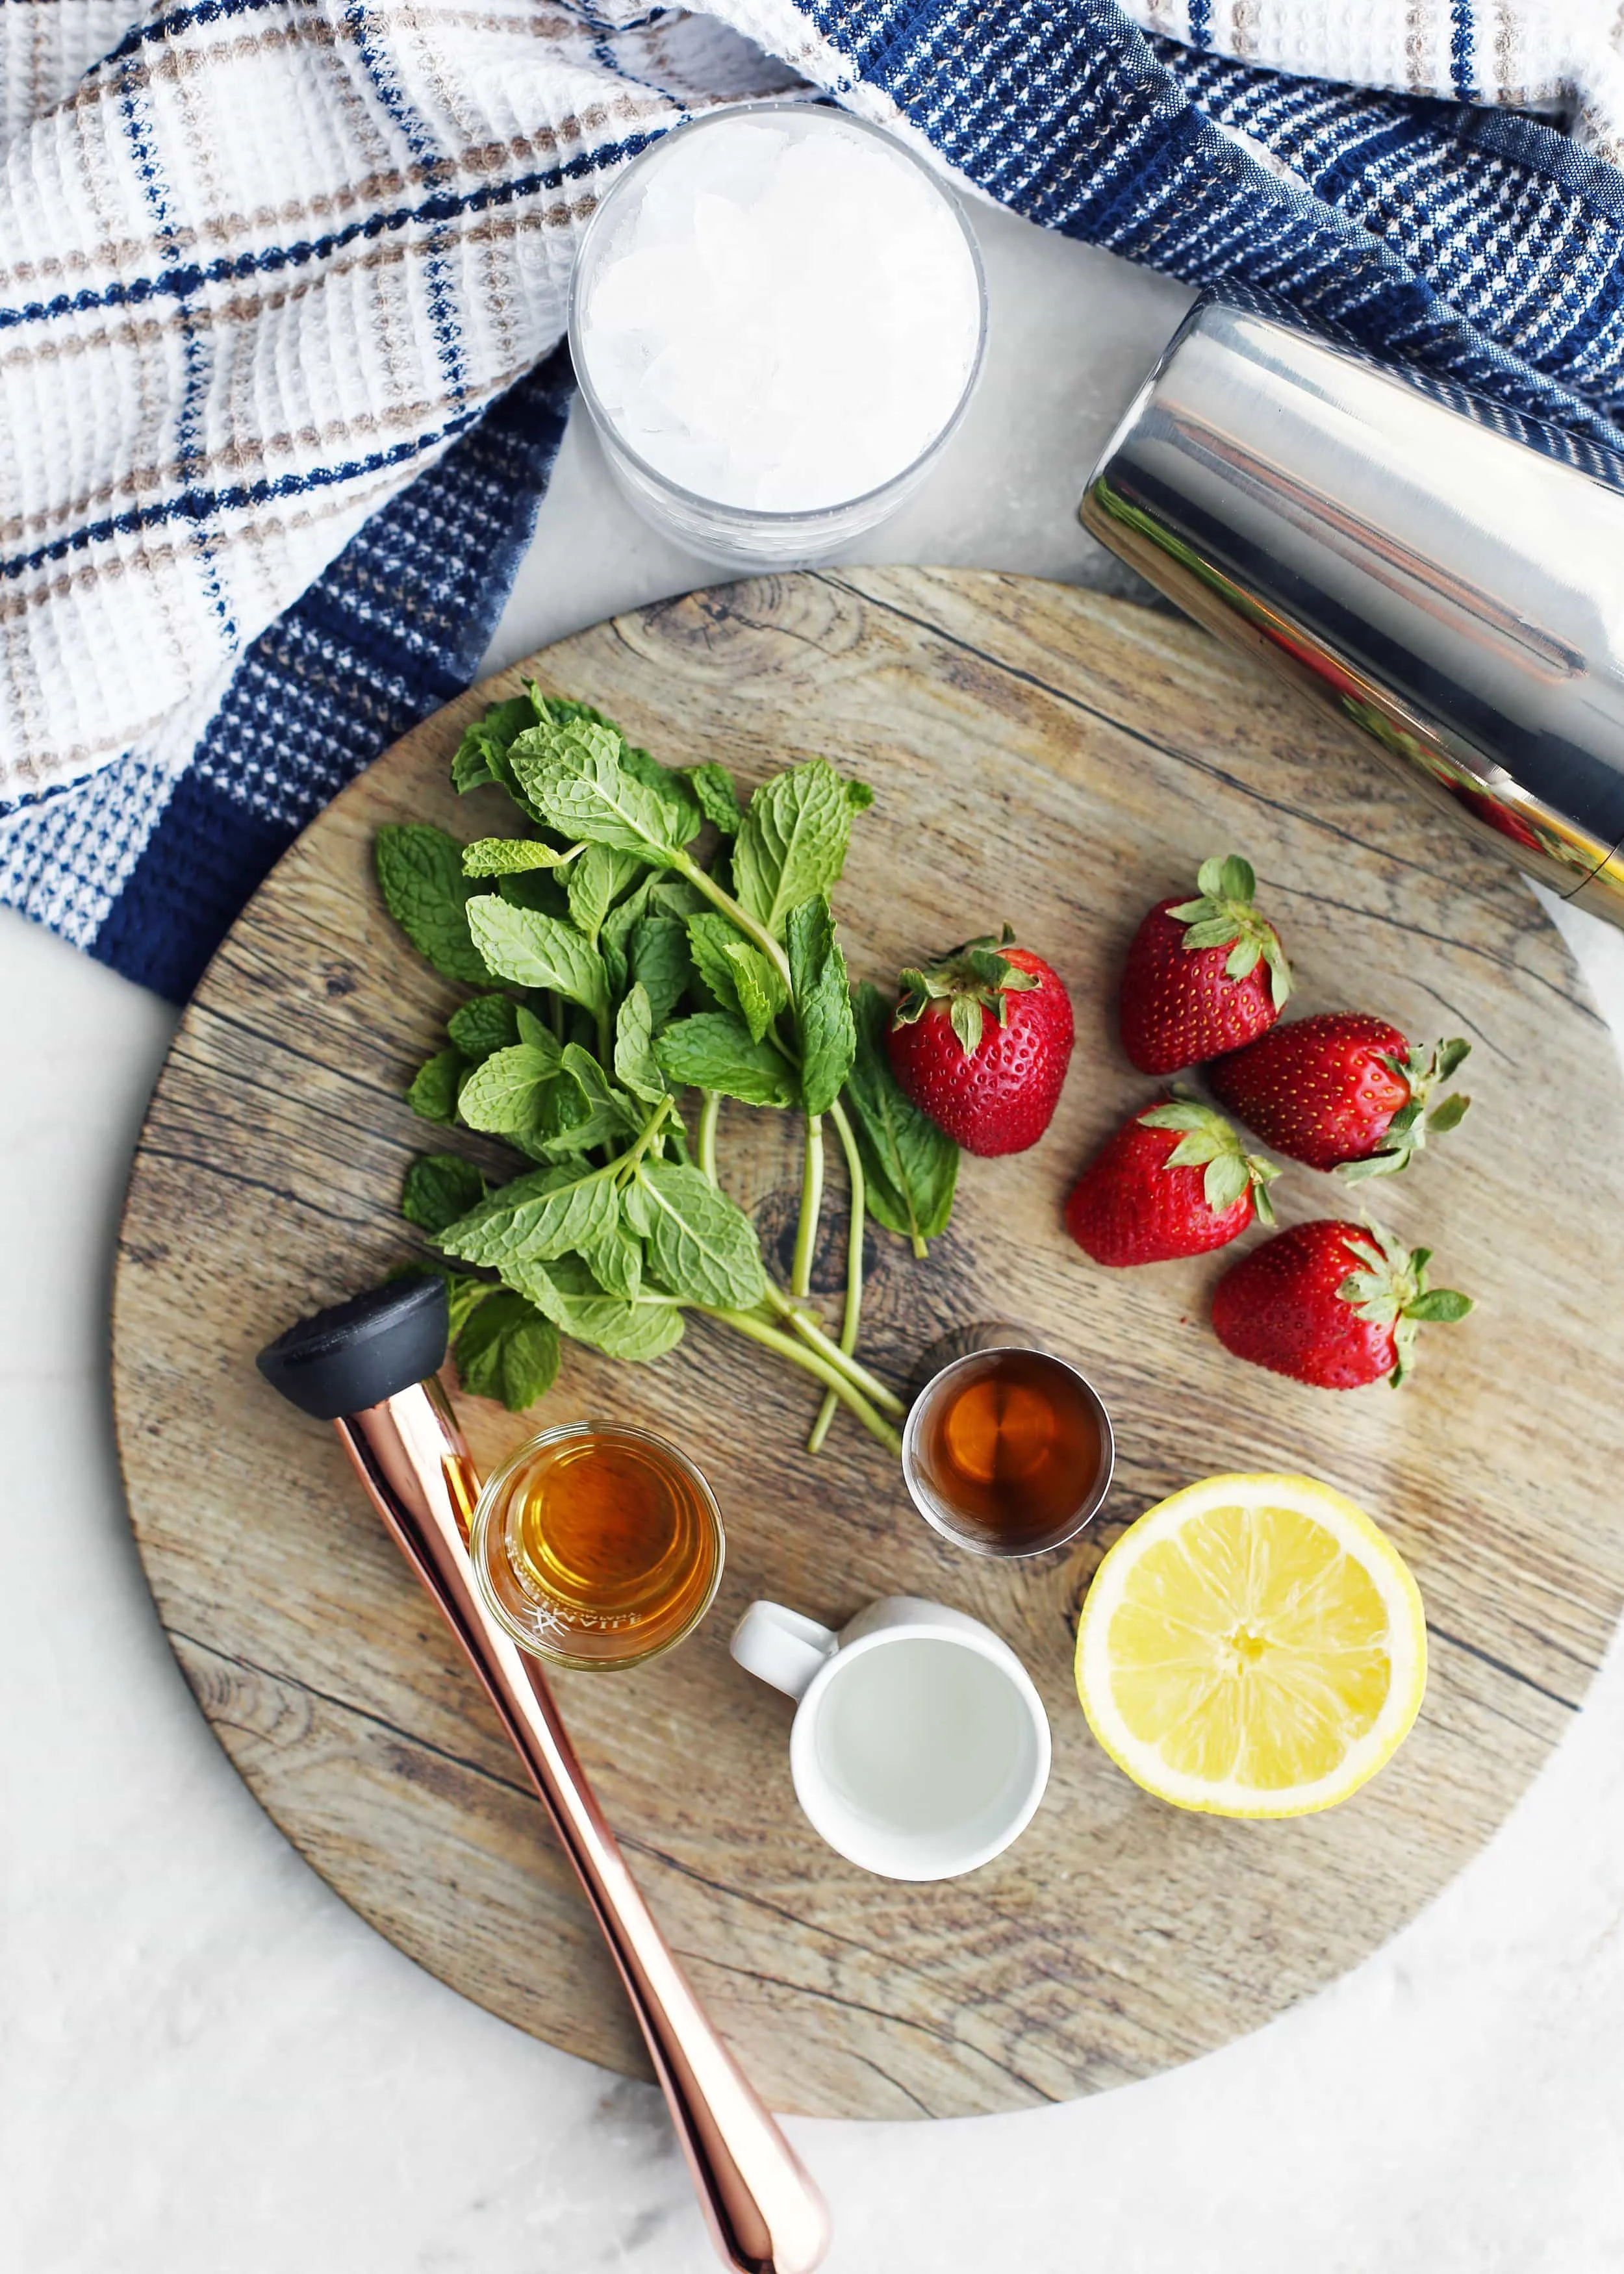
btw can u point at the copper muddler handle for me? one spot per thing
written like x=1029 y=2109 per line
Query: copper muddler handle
x=764 y=2213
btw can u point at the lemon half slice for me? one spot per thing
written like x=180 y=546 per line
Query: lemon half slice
x=1252 y=1646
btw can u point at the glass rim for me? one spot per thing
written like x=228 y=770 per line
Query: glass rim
x=1068 y=1528
x=484 y=1507
x=769 y=517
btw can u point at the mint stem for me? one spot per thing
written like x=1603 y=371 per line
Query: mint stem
x=812 y=1206
x=851 y=1368
x=704 y=1142
x=686 y=866
x=651 y=1130
x=811 y=1362
x=853 y=1313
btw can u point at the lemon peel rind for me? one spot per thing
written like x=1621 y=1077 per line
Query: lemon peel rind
x=1407 y=1627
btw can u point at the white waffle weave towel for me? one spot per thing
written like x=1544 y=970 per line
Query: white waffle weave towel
x=261 y=261
x=1559 y=58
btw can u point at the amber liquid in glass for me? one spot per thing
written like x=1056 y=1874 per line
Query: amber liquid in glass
x=612 y=1542
x=1014 y=1451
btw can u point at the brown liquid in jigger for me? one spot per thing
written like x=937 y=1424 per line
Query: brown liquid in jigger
x=1014 y=1450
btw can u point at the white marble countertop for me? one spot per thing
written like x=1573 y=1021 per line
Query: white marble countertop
x=208 y=2066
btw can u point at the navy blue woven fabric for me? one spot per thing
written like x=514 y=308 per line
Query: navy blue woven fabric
x=1484 y=247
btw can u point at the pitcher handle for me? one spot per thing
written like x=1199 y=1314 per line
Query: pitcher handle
x=782 y=1648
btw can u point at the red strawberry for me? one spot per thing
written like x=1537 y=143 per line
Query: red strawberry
x=1173 y=1181
x=1341 y=1090
x=992 y=1084
x=1332 y=1304
x=1203 y=975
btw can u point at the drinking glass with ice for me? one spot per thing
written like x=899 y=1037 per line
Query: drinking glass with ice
x=777 y=318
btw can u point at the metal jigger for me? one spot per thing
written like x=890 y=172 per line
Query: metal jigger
x=369 y=1366
x=1444 y=574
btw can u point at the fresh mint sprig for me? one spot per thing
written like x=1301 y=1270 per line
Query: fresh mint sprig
x=633 y=970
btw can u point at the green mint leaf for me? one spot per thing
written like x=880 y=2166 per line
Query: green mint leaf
x=713 y=1050
x=657 y=962
x=710 y=935
x=563 y=710
x=507 y=1351
x=859 y=796
x=537 y=950
x=536 y=889
x=563 y=1124
x=568 y=1295
x=738 y=973
x=616 y=1262
x=823 y=1021
x=603 y=1100
x=757 y=985
x=433 y=1094
x=635 y=1063
x=674 y=785
x=501 y=1096
x=675 y=896
x=591 y=887
x=702 y=1244
x=480 y=755
x=712 y=784
x=596 y=882
x=576 y=777
x=538 y=1215
x=792 y=842
x=510 y=856
x=489 y=1023
x=614 y=940
x=910 y=1164
x=439 y=1188
x=420 y=876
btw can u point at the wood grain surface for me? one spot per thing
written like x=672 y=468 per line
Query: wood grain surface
x=1061 y=759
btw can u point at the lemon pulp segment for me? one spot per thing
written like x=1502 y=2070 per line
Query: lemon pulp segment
x=1252 y=1646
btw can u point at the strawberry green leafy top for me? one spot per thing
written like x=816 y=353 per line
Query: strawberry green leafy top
x=1226 y=911
x=1390 y=1290
x=971 y=980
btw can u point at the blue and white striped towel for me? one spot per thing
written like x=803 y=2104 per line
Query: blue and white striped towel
x=280 y=282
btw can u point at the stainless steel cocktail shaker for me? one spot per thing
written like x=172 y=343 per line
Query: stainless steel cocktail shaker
x=1446 y=576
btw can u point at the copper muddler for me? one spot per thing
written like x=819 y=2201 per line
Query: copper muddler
x=369 y=1367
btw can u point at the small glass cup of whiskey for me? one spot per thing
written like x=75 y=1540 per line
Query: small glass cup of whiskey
x=597 y=1544
x=1008 y=1449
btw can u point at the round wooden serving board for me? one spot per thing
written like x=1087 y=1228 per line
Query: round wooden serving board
x=1063 y=760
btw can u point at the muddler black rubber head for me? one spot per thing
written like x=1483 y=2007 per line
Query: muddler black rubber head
x=358 y=1354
